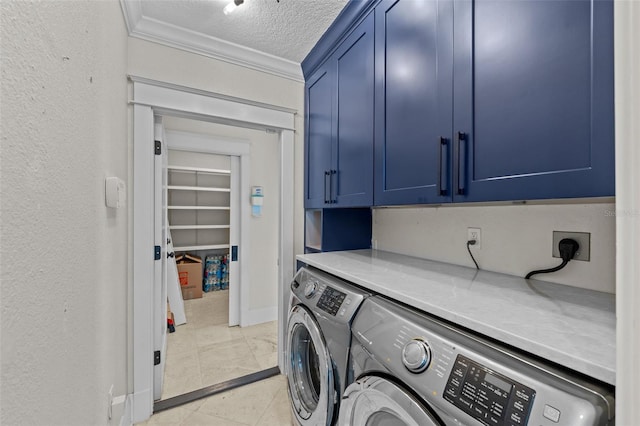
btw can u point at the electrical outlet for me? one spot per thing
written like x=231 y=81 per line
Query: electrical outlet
x=583 y=239
x=475 y=234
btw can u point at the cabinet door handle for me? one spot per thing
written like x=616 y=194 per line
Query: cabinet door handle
x=327 y=198
x=443 y=142
x=331 y=197
x=461 y=161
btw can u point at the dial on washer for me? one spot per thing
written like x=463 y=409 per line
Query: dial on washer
x=416 y=355
x=310 y=289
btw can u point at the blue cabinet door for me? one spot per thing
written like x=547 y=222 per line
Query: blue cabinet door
x=318 y=142
x=533 y=99
x=413 y=101
x=352 y=172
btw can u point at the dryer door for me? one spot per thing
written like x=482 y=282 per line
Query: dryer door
x=375 y=401
x=309 y=370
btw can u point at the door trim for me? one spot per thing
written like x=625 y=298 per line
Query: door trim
x=152 y=97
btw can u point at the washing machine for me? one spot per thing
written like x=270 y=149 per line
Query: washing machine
x=413 y=369
x=318 y=343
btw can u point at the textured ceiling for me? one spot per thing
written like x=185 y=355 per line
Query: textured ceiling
x=287 y=29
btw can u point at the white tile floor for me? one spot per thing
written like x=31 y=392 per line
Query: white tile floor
x=205 y=351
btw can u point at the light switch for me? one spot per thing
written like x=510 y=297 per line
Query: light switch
x=115 y=192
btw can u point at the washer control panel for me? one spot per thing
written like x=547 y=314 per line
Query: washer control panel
x=489 y=397
x=329 y=296
x=331 y=300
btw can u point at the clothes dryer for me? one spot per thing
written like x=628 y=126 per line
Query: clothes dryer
x=322 y=308
x=413 y=369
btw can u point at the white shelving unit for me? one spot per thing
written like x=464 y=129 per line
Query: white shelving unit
x=199 y=208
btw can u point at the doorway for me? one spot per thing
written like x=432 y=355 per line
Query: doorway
x=204 y=351
x=158 y=98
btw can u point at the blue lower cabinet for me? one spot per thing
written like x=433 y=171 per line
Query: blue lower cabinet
x=337 y=229
x=534 y=107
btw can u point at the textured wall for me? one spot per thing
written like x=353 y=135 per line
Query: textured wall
x=516 y=239
x=163 y=63
x=63 y=254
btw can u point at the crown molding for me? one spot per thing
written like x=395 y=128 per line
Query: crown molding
x=156 y=31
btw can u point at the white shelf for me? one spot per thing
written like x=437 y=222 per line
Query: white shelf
x=198 y=188
x=202 y=247
x=179 y=227
x=198 y=170
x=199 y=208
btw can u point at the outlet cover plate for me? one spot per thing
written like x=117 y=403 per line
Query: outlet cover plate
x=583 y=239
x=475 y=234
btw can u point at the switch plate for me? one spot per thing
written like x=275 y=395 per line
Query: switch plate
x=475 y=234
x=583 y=239
x=115 y=192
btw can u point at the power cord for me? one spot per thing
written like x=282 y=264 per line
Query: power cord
x=568 y=249
x=469 y=244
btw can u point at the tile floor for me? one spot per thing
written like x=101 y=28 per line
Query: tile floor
x=206 y=351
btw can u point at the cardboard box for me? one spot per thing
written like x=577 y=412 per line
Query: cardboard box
x=190 y=276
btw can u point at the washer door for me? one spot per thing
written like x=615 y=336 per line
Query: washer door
x=310 y=372
x=375 y=401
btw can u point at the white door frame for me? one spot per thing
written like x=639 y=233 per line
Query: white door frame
x=193 y=142
x=152 y=97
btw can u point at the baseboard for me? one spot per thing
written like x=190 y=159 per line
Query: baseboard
x=258 y=316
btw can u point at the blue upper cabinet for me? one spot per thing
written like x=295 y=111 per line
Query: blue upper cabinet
x=353 y=171
x=533 y=99
x=473 y=100
x=414 y=67
x=319 y=130
x=339 y=143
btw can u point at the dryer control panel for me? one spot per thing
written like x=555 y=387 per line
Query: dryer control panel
x=489 y=397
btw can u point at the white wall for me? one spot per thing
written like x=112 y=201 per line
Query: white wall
x=158 y=62
x=64 y=254
x=516 y=239
x=264 y=232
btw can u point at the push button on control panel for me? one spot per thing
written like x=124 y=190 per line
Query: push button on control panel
x=551 y=413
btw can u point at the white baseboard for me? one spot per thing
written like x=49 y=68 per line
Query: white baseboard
x=258 y=316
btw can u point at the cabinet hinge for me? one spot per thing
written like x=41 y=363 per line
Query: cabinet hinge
x=156 y=358
x=158 y=147
x=156 y=252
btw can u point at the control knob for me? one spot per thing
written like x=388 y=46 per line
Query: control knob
x=310 y=289
x=416 y=355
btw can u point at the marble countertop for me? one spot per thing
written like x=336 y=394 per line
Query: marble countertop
x=567 y=325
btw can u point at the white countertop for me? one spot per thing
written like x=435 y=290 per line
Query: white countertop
x=570 y=326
